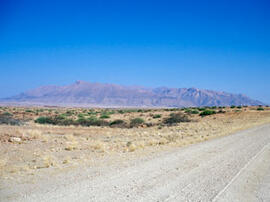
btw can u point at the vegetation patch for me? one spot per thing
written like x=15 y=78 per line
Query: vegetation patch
x=118 y=123
x=207 y=112
x=136 y=122
x=260 y=109
x=176 y=118
x=156 y=116
x=7 y=118
x=44 y=120
x=104 y=116
x=195 y=112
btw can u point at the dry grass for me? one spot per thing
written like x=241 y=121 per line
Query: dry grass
x=50 y=146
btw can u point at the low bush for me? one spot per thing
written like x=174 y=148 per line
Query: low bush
x=207 y=112
x=104 y=116
x=260 y=109
x=233 y=106
x=92 y=121
x=45 y=120
x=28 y=111
x=175 y=118
x=136 y=122
x=195 y=112
x=80 y=115
x=201 y=108
x=6 y=118
x=118 y=123
x=188 y=111
x=69 y=113
x=173 y=109
x=156 y=116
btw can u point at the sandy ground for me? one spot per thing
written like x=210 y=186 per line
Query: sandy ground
x=46 y=152
x=231 y=168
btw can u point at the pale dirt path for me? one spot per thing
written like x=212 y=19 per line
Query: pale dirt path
x=231 y=168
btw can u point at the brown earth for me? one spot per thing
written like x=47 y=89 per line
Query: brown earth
x=31 y=148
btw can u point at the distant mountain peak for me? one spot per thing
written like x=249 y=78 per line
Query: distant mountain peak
x=82 y=93
x=80 y=82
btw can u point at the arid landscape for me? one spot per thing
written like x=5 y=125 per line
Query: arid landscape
x=34 y=139
x=148 y=101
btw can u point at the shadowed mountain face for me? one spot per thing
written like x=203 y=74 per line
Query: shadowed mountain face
x=96 y=94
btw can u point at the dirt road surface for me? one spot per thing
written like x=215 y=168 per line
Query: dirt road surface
x=231 y=168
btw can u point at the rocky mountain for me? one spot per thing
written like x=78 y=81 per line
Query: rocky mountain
x=83 y=93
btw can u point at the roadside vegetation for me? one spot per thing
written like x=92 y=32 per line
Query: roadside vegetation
x=36 y=138
x=115 y=118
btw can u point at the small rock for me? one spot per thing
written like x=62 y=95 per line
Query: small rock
x=15 y=139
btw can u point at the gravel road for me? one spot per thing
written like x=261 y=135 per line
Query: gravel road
x=231 y=168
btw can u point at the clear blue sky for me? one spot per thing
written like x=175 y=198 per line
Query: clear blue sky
x=219 y=45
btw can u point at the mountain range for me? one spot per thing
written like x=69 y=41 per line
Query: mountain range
x=83 y=93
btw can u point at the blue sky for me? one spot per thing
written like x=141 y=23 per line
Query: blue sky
x=219 y=45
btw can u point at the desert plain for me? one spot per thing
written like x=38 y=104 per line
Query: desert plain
x=31 y=148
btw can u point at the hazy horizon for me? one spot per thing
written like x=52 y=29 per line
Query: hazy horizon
x=147 y=87
x=220 y=46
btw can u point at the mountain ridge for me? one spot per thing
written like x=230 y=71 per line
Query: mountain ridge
x=82 y=93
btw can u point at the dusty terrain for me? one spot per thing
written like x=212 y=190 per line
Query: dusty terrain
x=32 y=151
x=230 y=168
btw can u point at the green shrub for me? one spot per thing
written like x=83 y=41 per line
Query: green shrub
x=156 y=116
x=28 y=111
x=239 y=107
x=233 y=106
x=207 y=112
x=188 y=111
x=63 y=115
x=92 y=113
x=195 y=112
x=136 y=122
x=176 y=118
x=80 y=115
x=99 y=122
x=118 y=123
x=104 y=116
x=121 y=111
x=44 y=120
x=260 y=109
x=84 y=122
x=111 y=112
x=174 y=109
x=63 y=121
x=201 y=108
x=93 y=121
